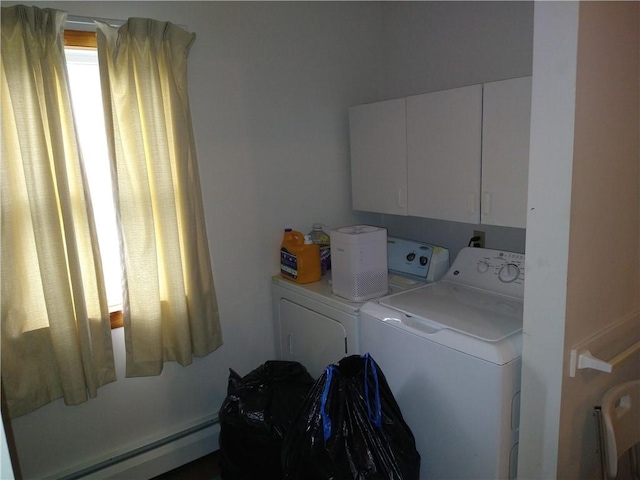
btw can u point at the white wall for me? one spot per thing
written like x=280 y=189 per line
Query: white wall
x=431 y=46
x=269 y=87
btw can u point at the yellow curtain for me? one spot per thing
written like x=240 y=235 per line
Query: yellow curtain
x=56 y=337
x=170 y=311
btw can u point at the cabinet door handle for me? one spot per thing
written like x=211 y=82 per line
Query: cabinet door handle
x=486 y=203
x=290 y=340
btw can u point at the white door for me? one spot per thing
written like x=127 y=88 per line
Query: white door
x=379 y=157
x=310 y=338
x=444 y=153
x=505 y=152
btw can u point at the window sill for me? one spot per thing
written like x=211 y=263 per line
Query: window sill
x=116 y=319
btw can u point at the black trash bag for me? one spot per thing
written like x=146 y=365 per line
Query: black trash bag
x=350 y=427
x=255 y=416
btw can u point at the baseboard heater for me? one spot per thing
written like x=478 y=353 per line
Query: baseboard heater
x=156 y=457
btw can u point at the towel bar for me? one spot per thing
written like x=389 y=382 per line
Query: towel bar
x=586 y=360
x=582 y=358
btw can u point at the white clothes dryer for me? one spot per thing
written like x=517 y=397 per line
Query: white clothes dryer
x=451 y=353
x=317 y=328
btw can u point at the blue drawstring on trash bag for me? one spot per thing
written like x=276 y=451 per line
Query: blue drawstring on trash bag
x=350 y=426
x=326 y=420
x=376 y=415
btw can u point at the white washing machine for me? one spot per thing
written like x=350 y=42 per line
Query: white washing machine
x=451 y=353
x=316 y=328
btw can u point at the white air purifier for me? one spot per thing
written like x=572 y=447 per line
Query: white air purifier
x=359 y=262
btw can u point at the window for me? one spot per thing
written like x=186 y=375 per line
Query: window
x=174 y=311
x=86 y=97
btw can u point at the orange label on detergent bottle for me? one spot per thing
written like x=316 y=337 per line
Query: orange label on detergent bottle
x=299 y=260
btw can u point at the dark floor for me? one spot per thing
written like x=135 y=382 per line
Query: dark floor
x=205 y=468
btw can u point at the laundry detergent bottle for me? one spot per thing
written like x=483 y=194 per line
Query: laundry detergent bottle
x=299 y=258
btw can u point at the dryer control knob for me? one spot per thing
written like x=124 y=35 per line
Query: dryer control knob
x=483 y=267
x=509 y=273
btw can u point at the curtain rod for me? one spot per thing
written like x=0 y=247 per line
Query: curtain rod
x=87 y=23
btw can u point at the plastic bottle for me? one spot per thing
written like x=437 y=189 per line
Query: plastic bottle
x=299 y=258
x=319 y=236
x=322 y=239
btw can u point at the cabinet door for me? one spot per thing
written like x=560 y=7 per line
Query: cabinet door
x=443 y=149
x=379 y=157
x=505 y=152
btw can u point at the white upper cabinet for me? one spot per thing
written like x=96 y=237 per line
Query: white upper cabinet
x=506 y=121
x=460 y=155
x=444 y=134
x=379 y=157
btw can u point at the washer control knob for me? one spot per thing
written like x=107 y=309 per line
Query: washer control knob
x=509 y=273
x=483 y=267
x=411 y=257
x=424 y=260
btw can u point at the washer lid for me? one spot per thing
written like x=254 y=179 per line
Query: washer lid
x=466 y=310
